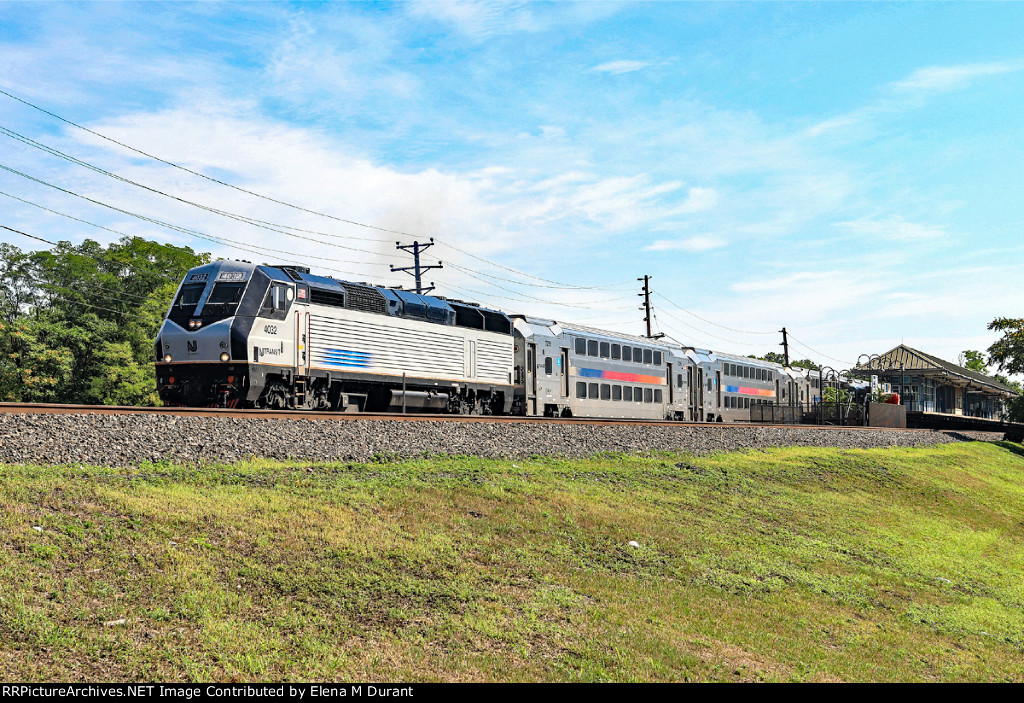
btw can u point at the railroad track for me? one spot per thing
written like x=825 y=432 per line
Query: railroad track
x=58 y=409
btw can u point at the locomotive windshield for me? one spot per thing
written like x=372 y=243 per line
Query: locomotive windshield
x=188 y=298
x=224 y=298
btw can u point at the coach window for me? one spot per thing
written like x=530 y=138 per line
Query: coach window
x=679 y=380
x=581 y=346
x=648 y=356
x=769 y=377
x=627 y=353
x=616 y=351
x=616 y=392
x=627 y=393
x=593 y=391
x=606 y=350
x=581 y=389
x=638 y=394
x=606 y=391
x=657 y=395
x=638 y=354
x=549 y=365
x=746 y=372
x=591 y=348
x=648 y=395
x=657 y=358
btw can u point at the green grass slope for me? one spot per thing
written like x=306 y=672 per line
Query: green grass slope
x=790 y=564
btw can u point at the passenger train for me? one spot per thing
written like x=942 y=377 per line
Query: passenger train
x=260 y=336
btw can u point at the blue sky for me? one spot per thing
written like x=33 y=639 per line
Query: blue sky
x=849 y=171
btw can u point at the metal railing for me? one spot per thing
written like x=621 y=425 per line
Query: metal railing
x=846 y=414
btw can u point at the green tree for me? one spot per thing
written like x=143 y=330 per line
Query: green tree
x=30 y=370
x=1007 y=353
x=98 y=306
x=973 y=360
x=776 y=358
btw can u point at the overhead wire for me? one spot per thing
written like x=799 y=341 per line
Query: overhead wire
x=704 y=319
x=251 y=248
x=318 y=213
x=270 y=226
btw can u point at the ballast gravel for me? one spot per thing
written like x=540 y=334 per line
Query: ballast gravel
x=128 y=439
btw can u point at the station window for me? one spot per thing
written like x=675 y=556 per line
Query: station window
x=593 y=391
x=606 y=391
x=581 y=346
x=616 y=351
x=616 y=392
x=606 y=350
x=648 y=395
x=627 y=393
x=657 y=358
x=657 y=395
x=638 y=354
x=549 y=365
x=591 y=348
x=648 y=356
x=581 y=389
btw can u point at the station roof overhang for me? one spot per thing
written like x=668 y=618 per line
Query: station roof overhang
x=919 y=363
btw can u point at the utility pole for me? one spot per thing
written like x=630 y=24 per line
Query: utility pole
x=415 y=248
x=785 y=345
x=646 y=295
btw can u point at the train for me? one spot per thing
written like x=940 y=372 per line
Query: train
x=241 y=335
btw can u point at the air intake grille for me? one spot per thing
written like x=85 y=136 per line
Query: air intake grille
x=365 y=298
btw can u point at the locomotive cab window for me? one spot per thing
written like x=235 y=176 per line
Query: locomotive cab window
x=275 y=305
x=189 y=297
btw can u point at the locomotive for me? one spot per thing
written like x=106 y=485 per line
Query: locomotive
x=279 y=337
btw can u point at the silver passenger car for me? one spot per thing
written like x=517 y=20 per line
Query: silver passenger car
x=568 y=370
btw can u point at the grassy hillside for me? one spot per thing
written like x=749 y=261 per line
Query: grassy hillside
x=805 y=564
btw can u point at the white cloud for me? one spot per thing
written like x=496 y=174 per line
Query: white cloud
x=692 y=244
x=618 y=67
x=940 y=78
x=893 y=228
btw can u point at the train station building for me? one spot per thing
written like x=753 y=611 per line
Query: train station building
x=927 y=383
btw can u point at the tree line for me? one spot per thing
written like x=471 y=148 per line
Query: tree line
x=78 y=323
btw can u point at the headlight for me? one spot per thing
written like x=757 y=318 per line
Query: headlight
x=224 y=356
x=191 y=324
x=167 y=359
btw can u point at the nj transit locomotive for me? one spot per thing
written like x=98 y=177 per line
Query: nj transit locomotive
x=242 y=335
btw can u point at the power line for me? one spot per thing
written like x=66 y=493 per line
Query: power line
x=291 y=205
x=815 y=351
x=252 y=248
x=688 y=312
